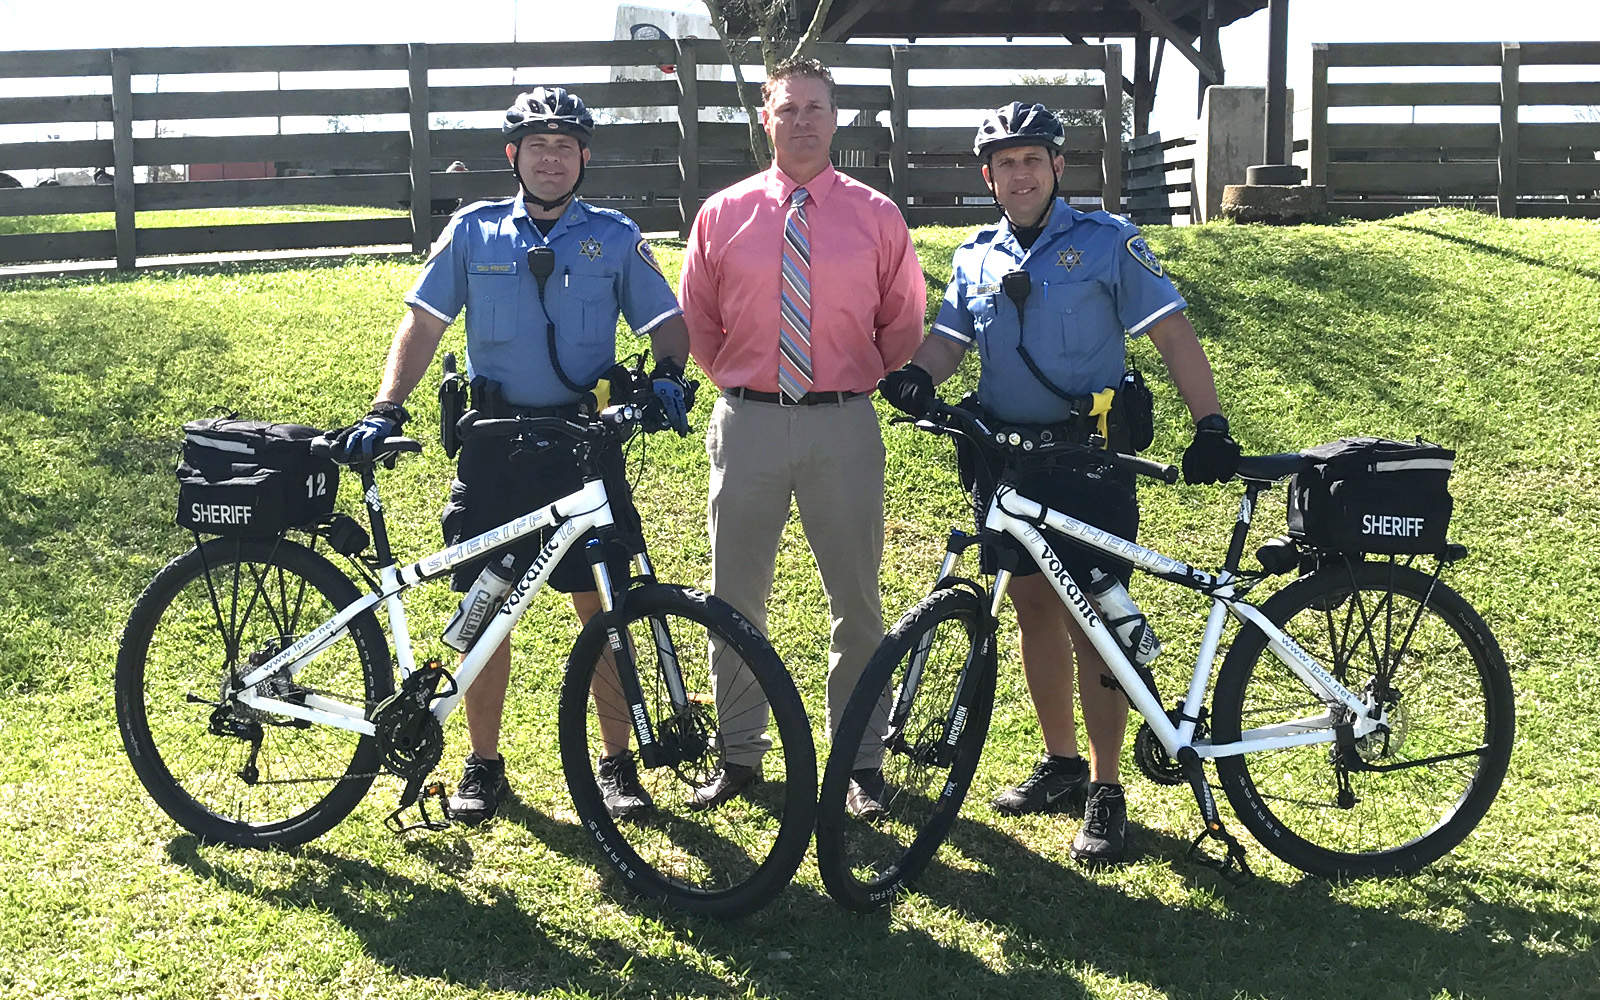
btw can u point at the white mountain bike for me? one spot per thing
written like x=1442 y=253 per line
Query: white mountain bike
x=257 y=699
x=1361 y=722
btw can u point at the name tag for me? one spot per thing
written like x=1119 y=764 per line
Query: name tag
x=986 y=289
x=493 y=267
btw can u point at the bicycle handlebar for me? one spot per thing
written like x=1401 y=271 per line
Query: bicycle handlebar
x=942 y=418
x=611 y=422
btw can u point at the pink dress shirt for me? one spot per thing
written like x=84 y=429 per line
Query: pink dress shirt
x=867 y=294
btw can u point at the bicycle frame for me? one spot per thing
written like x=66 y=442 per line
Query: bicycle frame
x=572 y=516
x=1013 y=514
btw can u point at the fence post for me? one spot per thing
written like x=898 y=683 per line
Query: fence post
x=1318 y=147
x=421 y=149
x=688 y=137
x=1510 y=70
x=899 y=126
x=1111 y=154
x=122 y=155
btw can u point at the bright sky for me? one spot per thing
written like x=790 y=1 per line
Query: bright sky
x=42 y=24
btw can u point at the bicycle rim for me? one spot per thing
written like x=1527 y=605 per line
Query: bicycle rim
x=226 y=772
x=864 y=862
x=725 y=860
x=1386 y=628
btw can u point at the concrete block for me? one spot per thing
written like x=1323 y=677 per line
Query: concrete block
x=1277 y=204
x=1232 y=138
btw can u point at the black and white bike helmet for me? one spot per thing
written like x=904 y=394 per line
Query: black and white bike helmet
x=1018 y=124
x=548 y=110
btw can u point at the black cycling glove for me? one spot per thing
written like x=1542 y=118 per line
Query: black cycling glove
x=909 y=390
x=1213 y=455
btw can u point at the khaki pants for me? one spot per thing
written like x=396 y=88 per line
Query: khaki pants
x=829 y=458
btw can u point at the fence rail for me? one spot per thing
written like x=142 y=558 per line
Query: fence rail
x=1521 y=168
x=656 y=171
x=1160 y=179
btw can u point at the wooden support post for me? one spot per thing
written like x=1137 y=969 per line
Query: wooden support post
x=1319 y=114
x=1211 y=51
x=1510 y=72
x=1111 y=155
x=1143 y=95
x=688 y=137
x=122 y=156
x=899 y=126
x=421 y=149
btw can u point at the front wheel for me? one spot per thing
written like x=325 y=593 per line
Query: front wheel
x=735 y=696
x=1418 y=649
x=904 y=710
x=226 y=772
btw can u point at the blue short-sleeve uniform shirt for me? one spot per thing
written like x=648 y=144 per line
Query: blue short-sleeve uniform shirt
x=603 y=268
x=1093 y=283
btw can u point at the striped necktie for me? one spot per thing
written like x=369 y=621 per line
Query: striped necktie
x=794 y=325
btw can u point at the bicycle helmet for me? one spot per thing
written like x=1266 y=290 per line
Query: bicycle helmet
x=1018 y=124
x=548 y=109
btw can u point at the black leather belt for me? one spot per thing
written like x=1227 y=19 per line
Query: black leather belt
x=809 y=399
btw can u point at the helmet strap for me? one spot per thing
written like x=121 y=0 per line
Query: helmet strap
x=530 y=196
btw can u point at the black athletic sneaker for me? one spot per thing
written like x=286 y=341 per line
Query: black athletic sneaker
x=618 y=778
x=483 y=787
x=868 y=795
x=1105 y=827
x=1057 y=784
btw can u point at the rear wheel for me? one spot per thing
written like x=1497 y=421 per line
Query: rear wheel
x=224 y=771
x=723 y=861
x=863 y=863
x=1426 y=656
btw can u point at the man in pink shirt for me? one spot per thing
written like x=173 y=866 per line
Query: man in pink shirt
x=800 y=289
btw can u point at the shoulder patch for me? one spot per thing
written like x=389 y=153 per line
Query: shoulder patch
x=648 y=256
x=1140 y=251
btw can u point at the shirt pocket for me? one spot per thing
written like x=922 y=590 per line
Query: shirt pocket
x=493 y=290
x=1082 y=332
x=587 y=326
x=992 y=325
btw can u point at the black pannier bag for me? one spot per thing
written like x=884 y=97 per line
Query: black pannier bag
x=1369 y=494
x=251 y=478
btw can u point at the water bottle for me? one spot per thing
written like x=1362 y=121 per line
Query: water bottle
x=479 y=603
x=1123 y=617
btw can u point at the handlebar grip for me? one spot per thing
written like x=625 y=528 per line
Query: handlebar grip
x=1145 y=467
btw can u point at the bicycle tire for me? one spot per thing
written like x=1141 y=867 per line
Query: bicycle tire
x=1451 y=695
x=865 y=863
x=725 y=861
x=200 y=619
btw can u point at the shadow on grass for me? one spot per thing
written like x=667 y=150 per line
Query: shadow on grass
x=1501 y=252
x=1262 y=937
x=491 y=939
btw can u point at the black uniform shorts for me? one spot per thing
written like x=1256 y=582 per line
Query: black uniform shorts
x=494 y=486
x=1104 y=498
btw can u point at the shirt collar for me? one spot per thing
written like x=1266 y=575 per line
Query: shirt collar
x=781 y=186
x=1062 y=218
x=520 y=217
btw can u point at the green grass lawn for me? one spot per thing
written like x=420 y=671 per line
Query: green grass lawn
x=1475 y=332
x=12 y=225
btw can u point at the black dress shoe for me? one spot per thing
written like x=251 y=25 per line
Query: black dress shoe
x=728 y=781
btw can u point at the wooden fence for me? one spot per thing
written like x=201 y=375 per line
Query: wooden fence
x=1520 y=167
x=1160 y=179
x=658 y=172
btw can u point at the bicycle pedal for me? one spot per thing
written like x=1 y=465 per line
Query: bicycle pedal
x=1232 y=866
x=427 y=821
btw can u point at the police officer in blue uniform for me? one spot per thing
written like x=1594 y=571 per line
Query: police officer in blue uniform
x=1091 y=282
x=543 y=277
